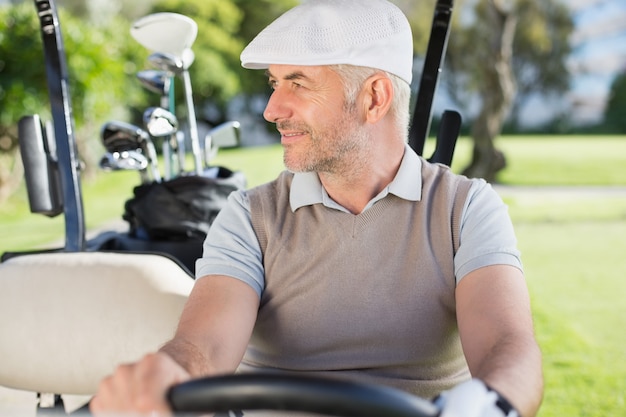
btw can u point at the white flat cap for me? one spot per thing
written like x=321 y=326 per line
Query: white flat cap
x=368 y=33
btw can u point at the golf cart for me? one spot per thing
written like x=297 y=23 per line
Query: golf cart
x=69 y=315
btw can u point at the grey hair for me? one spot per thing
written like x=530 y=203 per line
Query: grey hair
x=353 y=78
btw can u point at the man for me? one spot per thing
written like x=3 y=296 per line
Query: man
x=368 y=263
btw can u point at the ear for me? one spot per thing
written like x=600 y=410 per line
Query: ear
x=378 y=93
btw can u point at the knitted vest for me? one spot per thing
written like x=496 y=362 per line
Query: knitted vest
x=367 y=296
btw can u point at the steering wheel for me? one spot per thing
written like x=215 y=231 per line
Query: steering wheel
x=296 y=393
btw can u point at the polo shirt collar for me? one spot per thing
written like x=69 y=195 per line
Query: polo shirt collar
x=306 y=188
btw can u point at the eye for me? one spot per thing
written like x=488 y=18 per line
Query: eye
x=272 y=83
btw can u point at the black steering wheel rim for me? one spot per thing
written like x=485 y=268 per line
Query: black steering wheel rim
x=295 y=393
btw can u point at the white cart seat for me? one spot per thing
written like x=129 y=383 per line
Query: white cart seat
x=67 y=319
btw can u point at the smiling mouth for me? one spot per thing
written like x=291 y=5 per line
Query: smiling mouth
x=287 y=138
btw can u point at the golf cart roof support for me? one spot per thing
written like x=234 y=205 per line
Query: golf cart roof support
x=433 y=62
x=61 y=108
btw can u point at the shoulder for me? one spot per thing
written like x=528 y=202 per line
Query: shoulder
x=482 y=196
x=267 y=200
x=438 y=180
x=436 y=172
x=283 y=181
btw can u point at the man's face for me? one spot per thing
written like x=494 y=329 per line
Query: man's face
x=319 y=131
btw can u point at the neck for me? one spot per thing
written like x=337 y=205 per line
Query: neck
x=355 y=187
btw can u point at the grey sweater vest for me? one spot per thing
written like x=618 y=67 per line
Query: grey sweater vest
x=368 y=296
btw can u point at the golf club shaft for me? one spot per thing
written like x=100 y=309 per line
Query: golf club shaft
x=167 y=159
x=180 y=140
x=152 y=157
x=193 y=127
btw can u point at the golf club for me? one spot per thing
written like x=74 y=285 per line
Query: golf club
x=171 y=36
x=157 y=82
x=179 y=66
x=225 y=135
x=126 y=161
x=170 y=33
x=161 y=123
x=120 y=136
x=162 y=83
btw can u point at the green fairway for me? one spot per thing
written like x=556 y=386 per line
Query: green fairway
x=575 y=273
x=573 y=245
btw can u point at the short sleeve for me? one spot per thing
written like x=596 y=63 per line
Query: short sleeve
x=231 y=247
x=487 y=236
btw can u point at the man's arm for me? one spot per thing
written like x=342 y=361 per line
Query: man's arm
x=496 y=329
x=211 y=338
x=215 y=326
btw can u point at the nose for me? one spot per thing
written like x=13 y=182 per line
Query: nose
x=277 y=107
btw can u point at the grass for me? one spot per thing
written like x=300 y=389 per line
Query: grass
x=572 y=244
x=103 y=200
x=574 y=270
x=546 y=160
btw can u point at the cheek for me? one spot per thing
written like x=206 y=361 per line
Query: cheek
x=321 y=110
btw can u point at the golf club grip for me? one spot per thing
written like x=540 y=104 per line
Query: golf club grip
x=447 y=136
x=61 y=110
x=433 y=61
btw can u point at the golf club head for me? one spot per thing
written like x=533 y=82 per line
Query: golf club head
x=120 y=136
x=131 y=160
x=170 y=33
x=160 y=122
x=155 y=81
x=188 y=57
x=167 y=62
x=225 y=135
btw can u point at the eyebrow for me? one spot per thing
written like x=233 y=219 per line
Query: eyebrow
x=296 y=75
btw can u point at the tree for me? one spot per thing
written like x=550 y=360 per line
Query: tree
x=499 y=53
x=21 y=85
x=257 y=15
x=615 y=112
x=541 y=47
x=100 y=64
x=103 y=60
x=224 y=28
x=215 y=69
x=498 y=88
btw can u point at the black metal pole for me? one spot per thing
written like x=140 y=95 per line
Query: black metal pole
x=437 y=44
x=61 y=108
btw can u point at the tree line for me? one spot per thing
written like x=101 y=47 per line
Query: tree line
x=499 y=53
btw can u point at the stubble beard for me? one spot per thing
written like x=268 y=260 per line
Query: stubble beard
x=338 y=149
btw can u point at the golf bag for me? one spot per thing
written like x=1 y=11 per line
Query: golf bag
x=181 y=208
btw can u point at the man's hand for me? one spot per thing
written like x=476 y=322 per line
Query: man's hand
x=139 y=387
x=473 y=399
